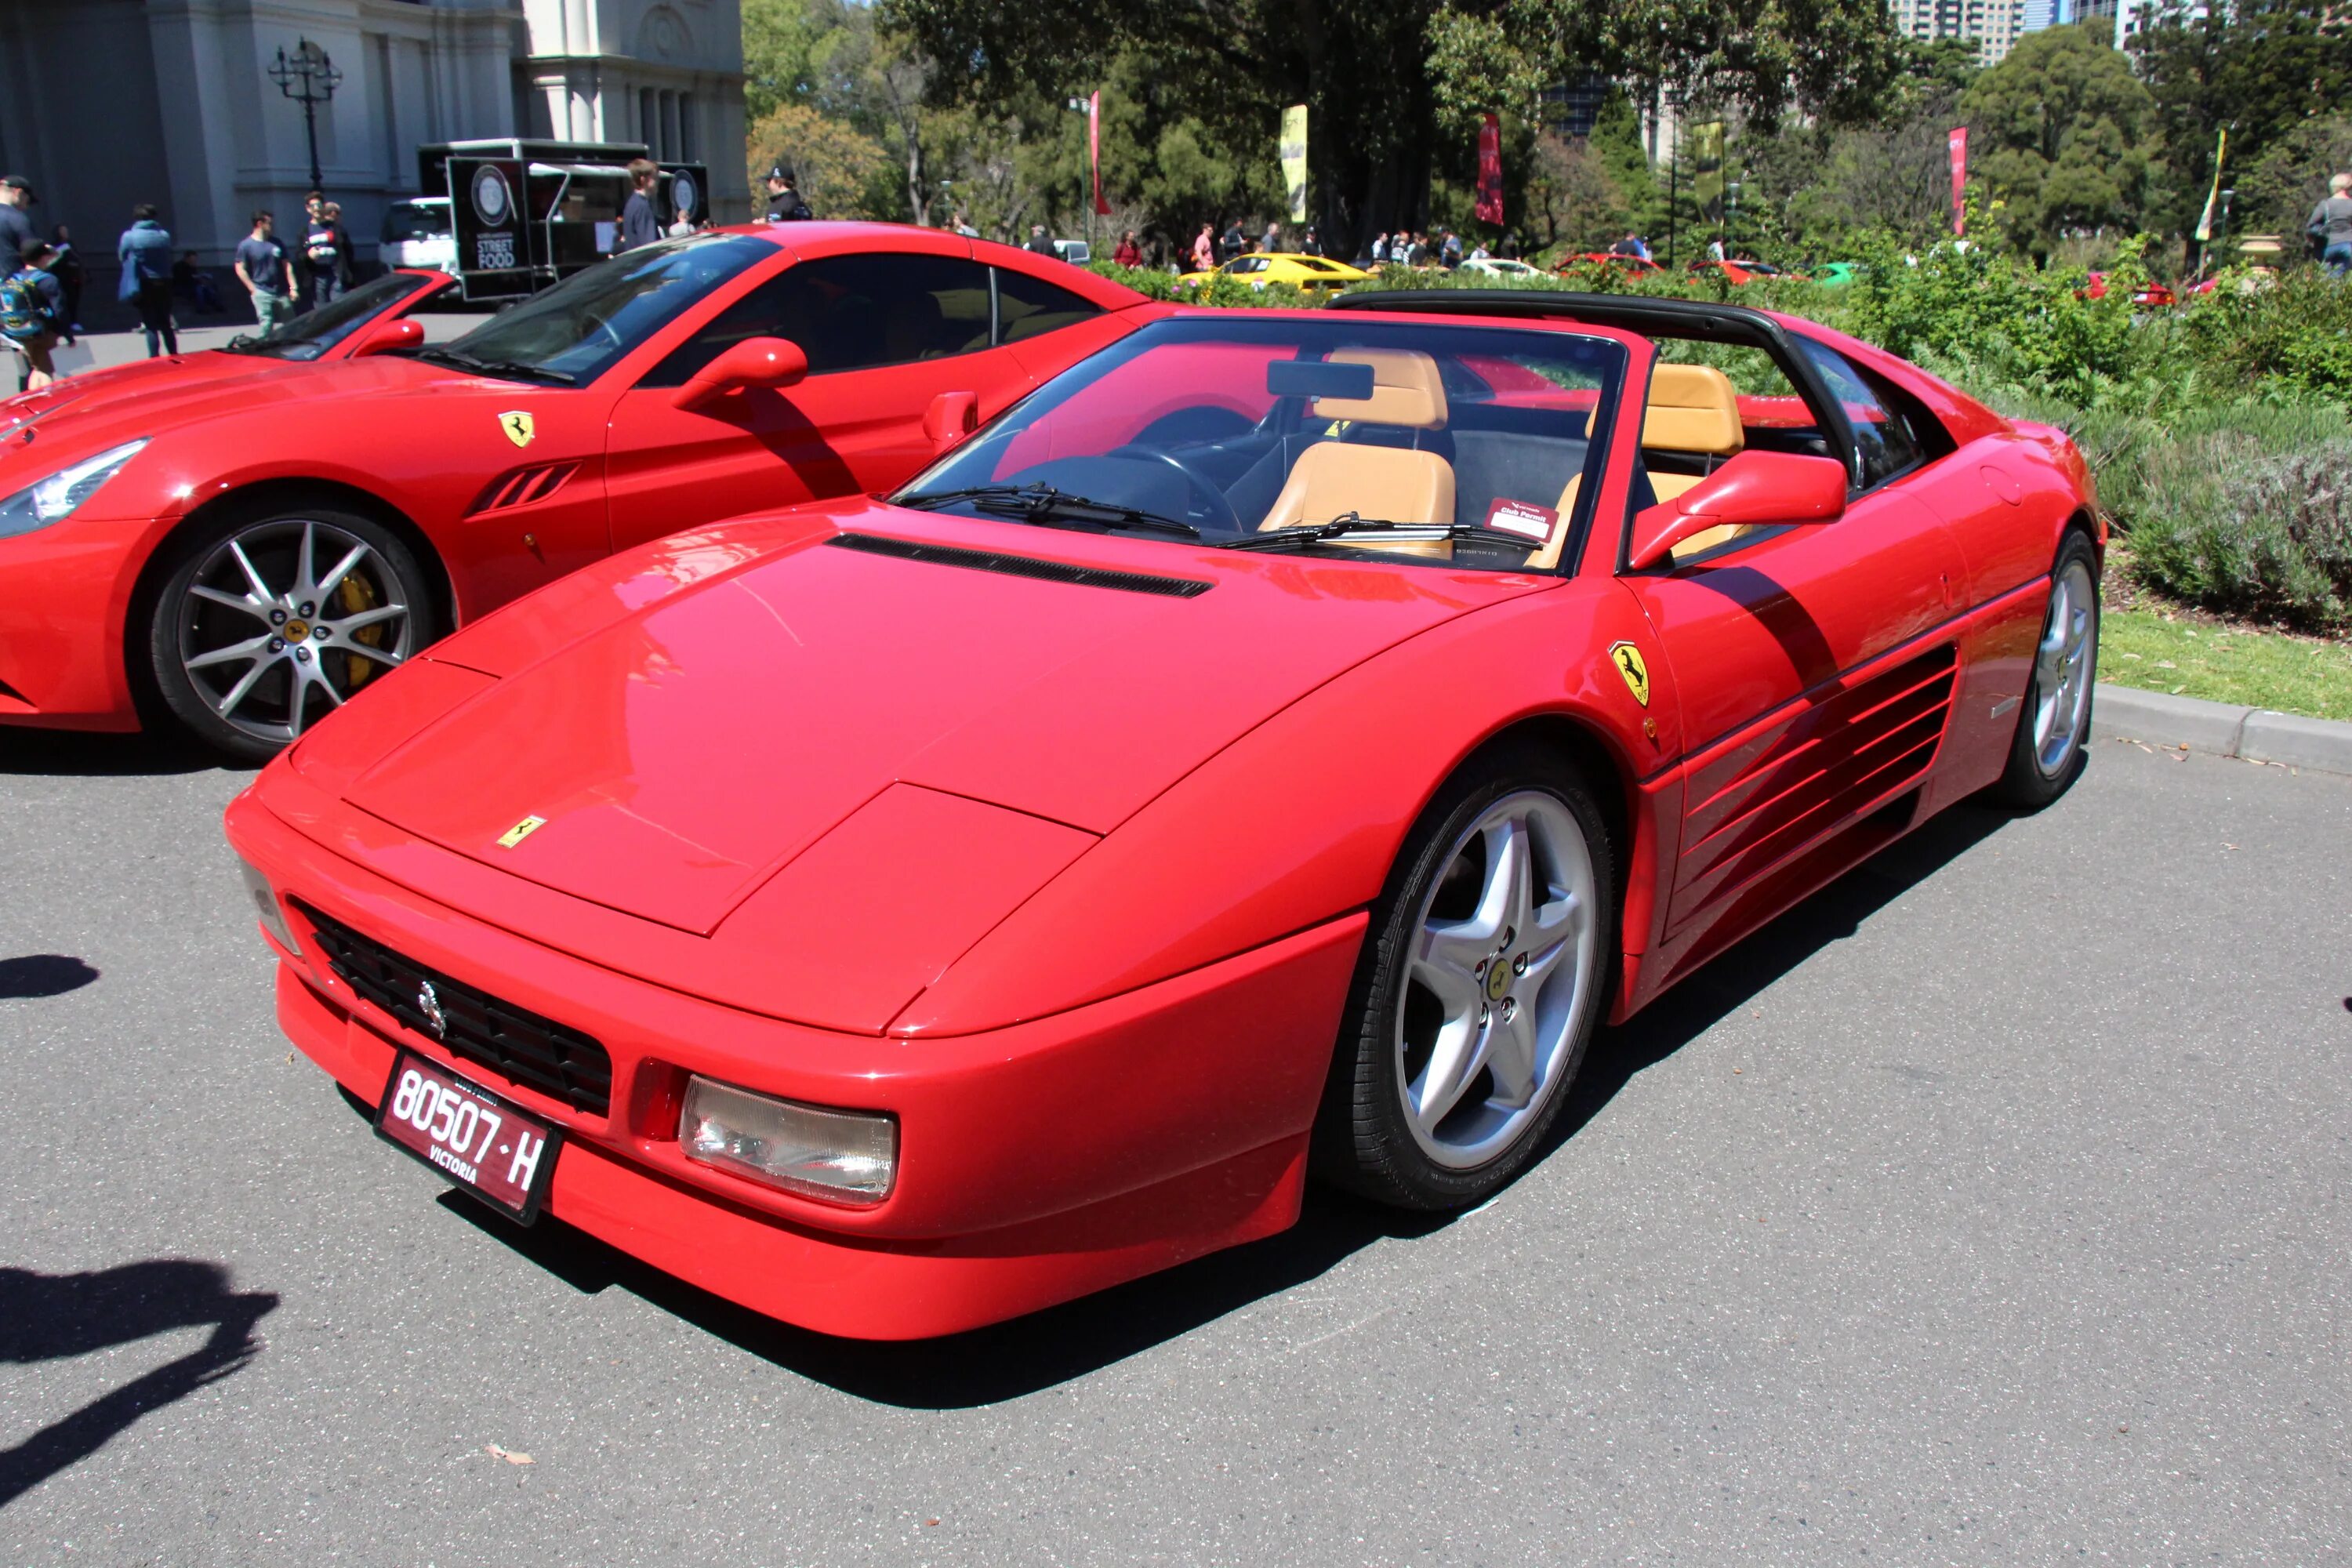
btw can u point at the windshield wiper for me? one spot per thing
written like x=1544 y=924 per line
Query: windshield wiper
x=507 y=367
x=1045 y=505
x=246 y=343
x=1348 y=525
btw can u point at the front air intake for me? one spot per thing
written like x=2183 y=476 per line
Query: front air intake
x=1021 y=566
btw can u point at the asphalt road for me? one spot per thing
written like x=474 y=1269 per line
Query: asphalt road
x=1991 y=1207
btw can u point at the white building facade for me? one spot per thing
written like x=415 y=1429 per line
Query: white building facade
x=1993 y=25
x=107 y=103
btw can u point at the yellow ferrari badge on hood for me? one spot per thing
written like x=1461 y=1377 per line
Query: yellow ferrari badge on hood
x=520 y=831
x=518 y=426
x=1628 y=660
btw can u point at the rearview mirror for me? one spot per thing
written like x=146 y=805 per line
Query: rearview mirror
x=385 y=337
x=754 y=361
x=1752 y=487
x=951 y=416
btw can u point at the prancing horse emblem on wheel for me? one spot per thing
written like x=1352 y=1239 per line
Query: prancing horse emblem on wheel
x=428 y=1003
x=519 y=427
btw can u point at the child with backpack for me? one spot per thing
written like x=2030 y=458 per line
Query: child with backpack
x=33 y=314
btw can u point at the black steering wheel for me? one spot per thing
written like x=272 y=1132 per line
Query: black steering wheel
x=1220 y=516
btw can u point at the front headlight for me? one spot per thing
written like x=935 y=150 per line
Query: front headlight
x=845 y=1156
x=53 y=500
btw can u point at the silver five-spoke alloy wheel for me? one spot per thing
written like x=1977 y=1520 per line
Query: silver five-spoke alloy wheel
x=1504 y=948
x=285 y=619
x=2061 y=668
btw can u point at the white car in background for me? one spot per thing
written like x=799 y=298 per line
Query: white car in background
x=1497 y=267
x=419 y=232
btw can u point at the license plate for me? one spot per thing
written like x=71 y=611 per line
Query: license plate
x=503 y=1157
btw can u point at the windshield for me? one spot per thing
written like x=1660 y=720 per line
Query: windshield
x=406 y=221
x=308 y=337
x=1461 y=445
x=578 y=329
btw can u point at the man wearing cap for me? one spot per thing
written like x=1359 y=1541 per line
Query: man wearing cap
x=784 y=203
x=16 y=229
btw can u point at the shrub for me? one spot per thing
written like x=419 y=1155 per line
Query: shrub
x=2250 y=522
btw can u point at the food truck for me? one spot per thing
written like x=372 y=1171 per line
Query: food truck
x=524 y=213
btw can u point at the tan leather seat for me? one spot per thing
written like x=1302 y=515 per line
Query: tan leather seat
x=1404 y=484
x=1692 y=408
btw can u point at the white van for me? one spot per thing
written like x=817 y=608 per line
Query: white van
x=418 y=233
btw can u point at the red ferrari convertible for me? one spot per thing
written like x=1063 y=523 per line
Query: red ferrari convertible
x=1273 y=747
x=241 y=554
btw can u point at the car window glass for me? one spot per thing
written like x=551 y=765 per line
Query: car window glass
x=850 y=312
x=594 y=318
x=1027 y=307
x=1885 y=444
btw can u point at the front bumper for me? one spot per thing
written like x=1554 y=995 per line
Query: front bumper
x=65 y=595
x=1037 y=1162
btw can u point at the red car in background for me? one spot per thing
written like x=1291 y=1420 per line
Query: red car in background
x=1638 y=265
x=1742 y=269
x=2149 y=296
x=242 y=553
x=1280 y=742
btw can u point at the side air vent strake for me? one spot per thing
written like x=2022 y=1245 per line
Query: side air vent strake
x=1021 y=566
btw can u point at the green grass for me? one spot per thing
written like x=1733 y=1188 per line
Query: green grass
x=2155 y=652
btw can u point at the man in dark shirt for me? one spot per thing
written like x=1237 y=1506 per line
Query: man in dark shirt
x=31 y=275
x=1039 y=245
x=326 y=252
x=639 y=223
x=261 y=267
x=16 y=229
x=784 y=203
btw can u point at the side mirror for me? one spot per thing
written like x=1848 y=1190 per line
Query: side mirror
x=1752 y=487
x=754 y=361
x=951 y=416
x=386 y=336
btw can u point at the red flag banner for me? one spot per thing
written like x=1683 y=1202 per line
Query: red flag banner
x=1093 y=150
x=1490 y=171
x=1959 y=143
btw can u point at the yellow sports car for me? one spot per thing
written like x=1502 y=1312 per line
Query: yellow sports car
x=1263 y=268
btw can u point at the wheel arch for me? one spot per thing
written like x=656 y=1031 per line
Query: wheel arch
x=164 y=558
x=1583 y=747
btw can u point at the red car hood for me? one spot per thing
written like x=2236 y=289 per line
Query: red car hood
x=775 y=675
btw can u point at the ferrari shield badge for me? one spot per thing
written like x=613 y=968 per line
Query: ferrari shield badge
x=520 y=831
x=1628 y=660
x=519 y=427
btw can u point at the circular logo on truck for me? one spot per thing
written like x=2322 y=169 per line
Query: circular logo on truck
x=684 y=195
x=493 y=198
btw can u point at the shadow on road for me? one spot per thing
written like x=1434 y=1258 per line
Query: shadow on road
x=42 y=974
x=49 y=1317
x=72 y=754
x=1029 y=1354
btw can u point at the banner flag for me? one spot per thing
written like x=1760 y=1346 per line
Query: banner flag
x=1960 y=145
x=2213 y=197
x=1094 y=149
x=1706 y=169
x=1490 y=170
x=1294 y=159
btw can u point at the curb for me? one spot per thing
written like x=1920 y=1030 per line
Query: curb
x=2222 y=729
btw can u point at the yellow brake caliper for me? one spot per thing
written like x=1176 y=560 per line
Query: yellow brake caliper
x=356 y=594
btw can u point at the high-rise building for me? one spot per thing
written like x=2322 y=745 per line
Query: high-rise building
x=1993 y=25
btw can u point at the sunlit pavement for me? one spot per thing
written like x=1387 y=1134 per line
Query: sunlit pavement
x=1992 y=1208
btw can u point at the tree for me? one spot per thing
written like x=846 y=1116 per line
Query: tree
x=2259 y=66
x=838 y=165
x=1389 y=83
x=2062 y=133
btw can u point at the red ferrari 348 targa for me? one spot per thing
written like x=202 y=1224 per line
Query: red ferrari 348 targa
x=1270 y=749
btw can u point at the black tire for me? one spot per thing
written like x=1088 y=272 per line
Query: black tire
x=1365 y=1140
x=350 y=635
x=2044 y=766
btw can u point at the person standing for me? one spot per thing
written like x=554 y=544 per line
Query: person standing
x=326 y=253
x=784 y=203
x=32 y=314
x=1380 y=248
x=1039 y=243
x=16 y=227
x=1234 y=242
x=1128 y=253
x=1272 y=242
x=961 y=223
x=145 y=252
x=66 y=266
x=639 y=223
x=2331 y=224
x=1450 y=251
x=1204 y=249
x=1715 y=251
x=262 y=268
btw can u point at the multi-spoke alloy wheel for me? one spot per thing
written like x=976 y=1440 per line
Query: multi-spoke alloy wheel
x=1480 y=986
x=2055 y=718
x=273 y=623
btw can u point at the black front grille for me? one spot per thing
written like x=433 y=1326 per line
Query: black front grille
x=1033 y=566
x=523 y=1048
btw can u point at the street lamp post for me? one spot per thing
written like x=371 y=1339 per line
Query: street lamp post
x=310 y=78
